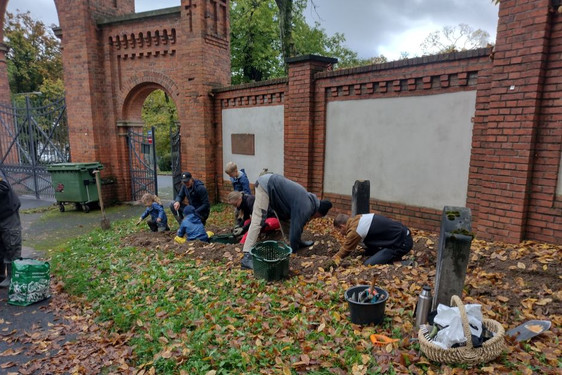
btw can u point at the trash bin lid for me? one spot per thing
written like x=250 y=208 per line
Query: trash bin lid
x=74 y=166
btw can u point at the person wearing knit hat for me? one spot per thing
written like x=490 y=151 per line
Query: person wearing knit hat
x=385 y=240
x=293 y=206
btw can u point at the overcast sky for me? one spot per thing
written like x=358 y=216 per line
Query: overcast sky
x=371 y=27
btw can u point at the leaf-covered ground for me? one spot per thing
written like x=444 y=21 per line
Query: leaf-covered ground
x=139 y=303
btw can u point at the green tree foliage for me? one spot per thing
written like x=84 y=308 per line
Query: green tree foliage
x=455 y=38
x=255 y=45
x=33 y=58
x=262 y=38
x=160 y=111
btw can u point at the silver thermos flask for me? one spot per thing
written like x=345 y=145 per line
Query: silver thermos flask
x=423 y=306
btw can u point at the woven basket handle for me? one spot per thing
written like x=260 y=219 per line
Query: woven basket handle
x=455 y=300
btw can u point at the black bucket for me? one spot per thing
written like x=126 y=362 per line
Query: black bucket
x=366 y=313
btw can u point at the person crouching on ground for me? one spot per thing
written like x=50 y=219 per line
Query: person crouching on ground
x=238 y=178
x=196 y=193
x=10 y=230
x=158 y=221
x=245 y=204
x=386 y=240
x=291 y=203
x=191 y=227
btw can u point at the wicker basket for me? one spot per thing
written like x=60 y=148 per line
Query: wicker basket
x=489 y=350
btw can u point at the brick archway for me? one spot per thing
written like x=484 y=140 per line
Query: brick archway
x=114 y=58
x=137 y=90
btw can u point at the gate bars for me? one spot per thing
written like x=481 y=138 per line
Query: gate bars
x=32 y=137
x=142 y=163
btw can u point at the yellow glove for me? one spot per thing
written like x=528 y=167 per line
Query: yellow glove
x=179 y=239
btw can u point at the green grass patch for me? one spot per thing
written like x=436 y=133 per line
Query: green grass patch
x=198 y=317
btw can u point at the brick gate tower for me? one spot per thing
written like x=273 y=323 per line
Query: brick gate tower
x=114 y=58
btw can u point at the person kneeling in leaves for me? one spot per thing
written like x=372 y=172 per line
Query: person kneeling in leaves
x=386 y=240
x=158 y=221
x=191 y=227
x=244 y=204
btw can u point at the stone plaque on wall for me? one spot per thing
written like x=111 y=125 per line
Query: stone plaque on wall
x=242 y=144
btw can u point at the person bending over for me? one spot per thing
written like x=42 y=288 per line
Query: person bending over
x=293 y=206
x=385 y=240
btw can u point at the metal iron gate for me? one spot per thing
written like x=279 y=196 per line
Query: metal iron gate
x=33 y=136
x=176 y=159
x=142 y=163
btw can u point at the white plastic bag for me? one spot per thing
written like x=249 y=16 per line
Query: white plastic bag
x=450 y=318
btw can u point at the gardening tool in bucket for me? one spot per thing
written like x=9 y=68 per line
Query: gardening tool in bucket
x=271 y=260
x=366 y=312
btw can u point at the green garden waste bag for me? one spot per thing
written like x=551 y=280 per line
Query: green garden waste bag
x=30 y=282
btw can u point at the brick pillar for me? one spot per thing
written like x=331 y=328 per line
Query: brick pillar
x=83 y=75
x=503 y=145
x=205 y=57
x=298 y=116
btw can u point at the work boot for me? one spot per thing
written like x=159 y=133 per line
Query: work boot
x=6 y=282
x=247 y=261
x=306 y=244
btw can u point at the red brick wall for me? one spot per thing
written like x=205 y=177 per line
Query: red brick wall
x=516 y=144
x=544 y=219
x=413 y=77
x=507 y=133
x=516 y=135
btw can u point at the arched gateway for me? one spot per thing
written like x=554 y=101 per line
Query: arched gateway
x=114 y=58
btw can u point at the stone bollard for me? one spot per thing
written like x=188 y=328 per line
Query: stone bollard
x=453 y=254
x=360 y=196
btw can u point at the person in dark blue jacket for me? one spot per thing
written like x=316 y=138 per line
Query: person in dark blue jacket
x=292 y=204
x=196 y=193
x=158 y=221
x=10 y=229
x=191 y=227
x=238 y=178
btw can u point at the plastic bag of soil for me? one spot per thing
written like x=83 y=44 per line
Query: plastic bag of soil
x=30 y=282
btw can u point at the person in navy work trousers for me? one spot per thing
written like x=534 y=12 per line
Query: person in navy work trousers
x=196 y=193
x=291 y=203
x=238 y=178
x=10 y=229
x=386 y=240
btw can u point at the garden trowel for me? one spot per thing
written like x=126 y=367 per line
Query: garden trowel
x=529 y=329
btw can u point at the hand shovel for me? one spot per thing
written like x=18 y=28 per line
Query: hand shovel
x=529 y=329
x=105 y=224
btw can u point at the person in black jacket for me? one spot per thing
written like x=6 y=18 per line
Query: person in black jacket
x=196 y=193
x=10 y=229
x=244 y=205
x=292 y=204
x=385 y=240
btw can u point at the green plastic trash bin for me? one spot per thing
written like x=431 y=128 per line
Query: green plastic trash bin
x=75 y=183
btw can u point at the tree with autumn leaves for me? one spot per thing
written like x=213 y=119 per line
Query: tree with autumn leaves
x=33 y=59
